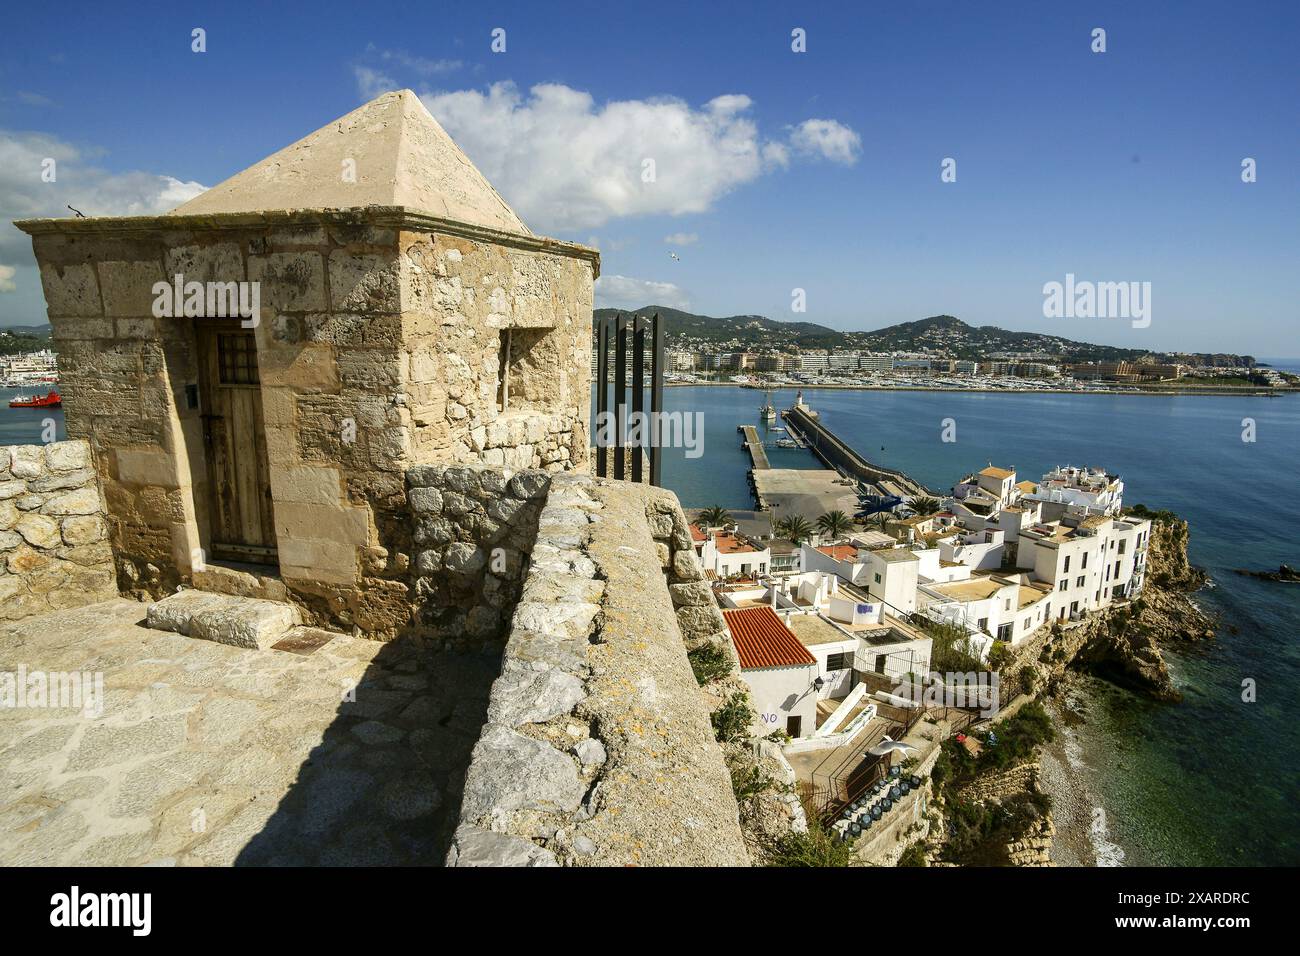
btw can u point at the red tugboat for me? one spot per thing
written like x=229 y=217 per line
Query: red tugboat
x=52 y=400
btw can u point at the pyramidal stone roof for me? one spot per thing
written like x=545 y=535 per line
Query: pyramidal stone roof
x=402 y=158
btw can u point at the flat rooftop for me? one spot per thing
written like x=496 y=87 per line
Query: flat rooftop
x=813 y=630
x=212 y=755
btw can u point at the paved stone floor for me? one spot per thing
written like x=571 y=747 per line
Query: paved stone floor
x=211 y=755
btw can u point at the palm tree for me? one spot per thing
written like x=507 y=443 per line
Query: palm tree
x=834 y=524
x=795 y=528
x=716 y=517
x=880 y=520
x=925 y=505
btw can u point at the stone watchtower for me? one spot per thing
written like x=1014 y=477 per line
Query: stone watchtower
x=396 y=312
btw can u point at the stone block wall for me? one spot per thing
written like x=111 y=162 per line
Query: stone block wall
x=473 y=529
x=598 y=748
x=54 y=551
x=460 y=296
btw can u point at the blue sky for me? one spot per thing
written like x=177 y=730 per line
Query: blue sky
x=818 y=171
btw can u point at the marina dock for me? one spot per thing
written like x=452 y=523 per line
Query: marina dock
x=811 y=492
x=757 y=454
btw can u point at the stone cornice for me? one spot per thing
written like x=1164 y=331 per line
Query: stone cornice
x=398 y=217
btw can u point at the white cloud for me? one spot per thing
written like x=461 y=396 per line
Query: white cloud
x=565 y=162
x=682 y=239
x=624 y=292
x=373 y=83
x=828 y=139
x=418 y=64
x=77 y=182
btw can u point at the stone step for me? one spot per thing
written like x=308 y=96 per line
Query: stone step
x=226 y=619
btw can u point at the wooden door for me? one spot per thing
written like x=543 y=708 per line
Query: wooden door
x=242 y=524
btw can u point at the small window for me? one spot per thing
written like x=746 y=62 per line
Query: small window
x=1079 y=581
x=1085 y=560
x=237 y=359
x=503 y=371
x=839 y=662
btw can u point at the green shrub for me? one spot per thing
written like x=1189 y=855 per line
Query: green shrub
x=731 y=721
x=914 y=855
x=749 y=782
x=709 y=661
x=816 y=847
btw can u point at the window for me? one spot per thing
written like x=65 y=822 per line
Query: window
x=1122 y=543
x=1116 y=569
x=1085 y=560
x=503 y=371
x=984 y=624
x=237 y=359
x=1006 y=605
x=1074 y=608
x=877 y=578
x=1026 y=622
x=1062 y=584
x=1004 y=632
x=839 y=662
x=1066 y=569
x=1078 y=582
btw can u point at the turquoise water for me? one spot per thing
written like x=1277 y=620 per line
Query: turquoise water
x=1212 y=780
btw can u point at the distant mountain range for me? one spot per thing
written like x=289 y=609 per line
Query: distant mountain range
x=938 y=335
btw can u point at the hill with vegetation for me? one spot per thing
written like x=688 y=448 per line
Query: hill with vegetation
x=942 y=335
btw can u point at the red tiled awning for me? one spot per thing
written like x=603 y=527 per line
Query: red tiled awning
x=763 y=640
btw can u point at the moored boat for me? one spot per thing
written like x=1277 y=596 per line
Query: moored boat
x=50 y=400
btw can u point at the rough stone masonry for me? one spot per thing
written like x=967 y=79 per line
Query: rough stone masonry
x=53 y=548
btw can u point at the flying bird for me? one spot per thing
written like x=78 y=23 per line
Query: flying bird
x=888 y=746
x=80 y=214
x=675 y=256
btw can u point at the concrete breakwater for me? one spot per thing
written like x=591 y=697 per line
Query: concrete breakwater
x=840 y=457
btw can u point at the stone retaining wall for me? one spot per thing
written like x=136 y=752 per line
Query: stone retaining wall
x=473 y=528
x=53 y=548
x=598 y=748
x=1002 y=783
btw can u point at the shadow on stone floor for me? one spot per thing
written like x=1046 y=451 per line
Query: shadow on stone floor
x=384 y=785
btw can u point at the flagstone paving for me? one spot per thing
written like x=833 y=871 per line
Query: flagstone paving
x=206 y=754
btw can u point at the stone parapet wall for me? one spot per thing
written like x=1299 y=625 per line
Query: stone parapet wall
x=474 y=528
x=53 y=548
x=598 y=748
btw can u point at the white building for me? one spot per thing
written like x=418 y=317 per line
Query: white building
x=781 y=673
x=728 y=554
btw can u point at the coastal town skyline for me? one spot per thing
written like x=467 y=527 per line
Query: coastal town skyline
x=776 y=172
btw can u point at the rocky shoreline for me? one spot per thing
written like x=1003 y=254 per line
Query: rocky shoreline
x=1120 y=645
